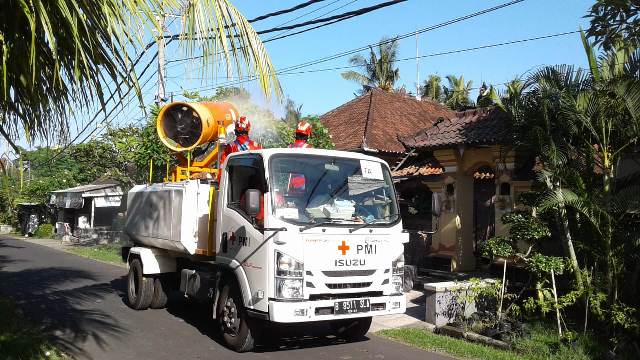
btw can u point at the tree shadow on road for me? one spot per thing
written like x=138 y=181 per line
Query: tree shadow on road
x=62 y=301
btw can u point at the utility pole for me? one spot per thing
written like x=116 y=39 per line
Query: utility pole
x=417 y=69
x=160 y=95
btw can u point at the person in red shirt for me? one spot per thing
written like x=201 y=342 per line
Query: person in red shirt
x=303 y=131
x=242 y=126
x=242 y=141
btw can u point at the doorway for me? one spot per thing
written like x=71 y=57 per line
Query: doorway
x=484 y=191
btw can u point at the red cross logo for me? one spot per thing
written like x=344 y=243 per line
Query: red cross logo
x=344 y=247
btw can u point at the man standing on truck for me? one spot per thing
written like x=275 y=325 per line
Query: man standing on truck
x=242 y=142
x=303 y=131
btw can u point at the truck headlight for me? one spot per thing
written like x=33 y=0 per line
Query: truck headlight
x=288 y=277
x=397 y=276
x=288 y=266
x=288 y=288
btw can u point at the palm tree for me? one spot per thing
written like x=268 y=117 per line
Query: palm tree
x=379 y=70
x=58 y=56
x=457 y=93
x=576 y=121
x=432 y=88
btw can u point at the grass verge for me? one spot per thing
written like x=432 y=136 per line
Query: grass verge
x=540 y=343
x=108 y=253
x=19 y=339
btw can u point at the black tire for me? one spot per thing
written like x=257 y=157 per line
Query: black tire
x=233 y=320
x=160 y=296
x=351 y=329
x=139 y=287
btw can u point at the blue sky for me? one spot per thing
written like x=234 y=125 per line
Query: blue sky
x=322 y=91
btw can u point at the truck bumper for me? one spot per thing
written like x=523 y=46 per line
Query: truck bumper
x=322 y=310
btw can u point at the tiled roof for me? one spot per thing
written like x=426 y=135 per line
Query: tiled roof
x=420 y=166
x=378 y=119
x=415 y=170
x=483 y=126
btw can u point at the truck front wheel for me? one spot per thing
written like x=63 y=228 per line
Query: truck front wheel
x=139 y=287
x=234 y=322
x=351 y=329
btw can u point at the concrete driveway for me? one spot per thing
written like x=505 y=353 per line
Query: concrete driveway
x=80 y=301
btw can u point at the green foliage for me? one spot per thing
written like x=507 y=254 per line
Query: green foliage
x=580 y=124
x=525 y=227
x=44 y=231
x=432 y=88
x=456 y=93
x=497 y=246
x=542 y=264
x=539 y=343
x=110 y=253
x=615 y=23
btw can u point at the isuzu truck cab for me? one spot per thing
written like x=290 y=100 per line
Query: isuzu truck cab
x=286 y=236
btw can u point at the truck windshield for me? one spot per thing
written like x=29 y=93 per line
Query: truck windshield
x=331 y=190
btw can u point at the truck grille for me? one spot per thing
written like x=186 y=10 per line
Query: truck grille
x=358 y=295
x=358 y=285
x=345 y=273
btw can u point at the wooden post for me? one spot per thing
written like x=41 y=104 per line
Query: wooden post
x=504 y=278
x=555 y=299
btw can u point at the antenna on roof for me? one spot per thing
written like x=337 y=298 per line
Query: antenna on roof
x=417 y=69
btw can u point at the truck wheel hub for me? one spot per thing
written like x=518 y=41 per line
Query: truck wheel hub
x=230 y=317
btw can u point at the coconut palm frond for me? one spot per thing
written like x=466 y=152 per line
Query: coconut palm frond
x=357 y=77
x=564 y=198
x=379 y=69
x=224 y=36
x=58 y=56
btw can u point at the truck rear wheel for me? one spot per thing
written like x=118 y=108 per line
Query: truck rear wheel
x=351 y=329
x=233 y=318
x=139 y=287
x=160 y=296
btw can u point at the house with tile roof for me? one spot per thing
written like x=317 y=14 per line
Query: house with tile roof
x=458 y=165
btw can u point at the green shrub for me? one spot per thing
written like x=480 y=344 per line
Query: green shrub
x=497 y=246
x=44 y=231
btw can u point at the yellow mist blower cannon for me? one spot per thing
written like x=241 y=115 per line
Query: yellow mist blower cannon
x=184 y=126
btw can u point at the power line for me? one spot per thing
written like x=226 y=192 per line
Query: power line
x=347 y=14
x=403 y=36
x=311 y=12
x=285 y=11
x=327 y=21
x=443 y=53
x=365 y=47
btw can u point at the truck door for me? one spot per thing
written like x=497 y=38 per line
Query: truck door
x=242 y=236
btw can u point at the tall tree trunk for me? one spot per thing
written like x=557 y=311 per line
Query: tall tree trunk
x=567 y=240
x=609 y=260
x=567 y=244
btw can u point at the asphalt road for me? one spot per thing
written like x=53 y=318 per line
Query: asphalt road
x=81 y=302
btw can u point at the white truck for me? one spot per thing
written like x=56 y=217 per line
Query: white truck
x=288 y=236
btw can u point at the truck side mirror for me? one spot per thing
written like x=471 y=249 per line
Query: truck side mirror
x=252 y=202
x=435 y=204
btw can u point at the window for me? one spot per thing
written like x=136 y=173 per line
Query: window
x=505 y=189
x=308 y=189
x=244 y=172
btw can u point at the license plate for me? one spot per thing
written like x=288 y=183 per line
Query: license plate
x=351 y=306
